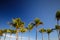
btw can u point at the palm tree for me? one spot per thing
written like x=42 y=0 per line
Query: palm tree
x=42 y=30
x=48 y=32
x=11 y=32
x=1 y=34
x=5 y=32
x=17 y=23
x=37 y=22
x=57 y=27
x=29 y=28
x=58 y=18
x=22 y=30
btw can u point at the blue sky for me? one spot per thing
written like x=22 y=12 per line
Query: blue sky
x=28 y=10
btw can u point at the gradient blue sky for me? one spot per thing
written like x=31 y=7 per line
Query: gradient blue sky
x=28 y=10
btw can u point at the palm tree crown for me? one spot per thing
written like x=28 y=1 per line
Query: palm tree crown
x=37 y=21
x=42 y=30
x=22 y=30
x=57 y=27
x=49 y=31
x=30 y=27
x=58 y=15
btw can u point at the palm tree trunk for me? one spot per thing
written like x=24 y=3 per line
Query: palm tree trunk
x=0 y=38
x=29 y=35
x=5 y=36
x=59 y=34
x=21 y=36
x=16 y=33
x=59 y=30
x=42 y=36
x=57 y=22
x=36 y=32
x=48 y=37
x=10 y=36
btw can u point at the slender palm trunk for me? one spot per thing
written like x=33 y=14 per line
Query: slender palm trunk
x=58 y=34
x=0 y=38
x=5 y=36
x=29 y=35
x=36 y=32
x=48 y=37
x=21 y=36
x=16 y=33
x=42 y=36
x=59 y=30
x=10 y=36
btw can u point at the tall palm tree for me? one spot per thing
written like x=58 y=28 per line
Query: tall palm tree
x=22 y=30
x=29 y=28
x=58 y=18
x=48 y=32
x=42 y=30
x=17 y=23
x=1 y=34
x=57 y=28
x=11 y=32
x=37 y=22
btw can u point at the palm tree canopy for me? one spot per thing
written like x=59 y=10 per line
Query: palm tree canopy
x=11 y=31
x=17 y=23
x=5 y=31
x=1 y=32
x=37 y=21
x=58 y=15
x=42 y=30
x=14 y=31
x=30 y=27
x=49 y=31
x=22 y=30
x=57 y=27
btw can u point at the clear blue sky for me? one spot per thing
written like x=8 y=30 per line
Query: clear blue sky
x=28 y=10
